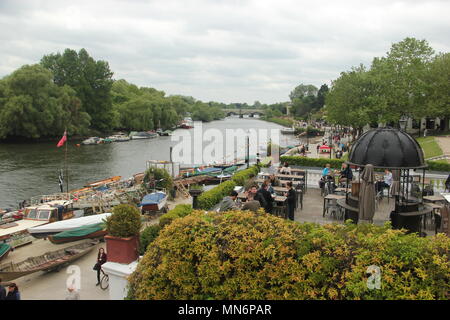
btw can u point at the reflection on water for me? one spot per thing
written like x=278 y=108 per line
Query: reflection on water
x=28 y=170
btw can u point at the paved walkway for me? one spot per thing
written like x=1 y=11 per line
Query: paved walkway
x=444 y=143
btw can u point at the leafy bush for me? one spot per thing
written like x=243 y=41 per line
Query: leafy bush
x=124 y=222
x=438 y=166
x=179 y=211
x=245 y=255
x=210 y=198
x=155 y=174
x=149 y=234
x=311 y=162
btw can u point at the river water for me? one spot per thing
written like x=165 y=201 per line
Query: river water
x=28 y=170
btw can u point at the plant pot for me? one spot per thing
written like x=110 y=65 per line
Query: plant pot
x=122 y=250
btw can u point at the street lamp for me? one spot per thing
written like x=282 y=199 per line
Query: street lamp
x=330 y=139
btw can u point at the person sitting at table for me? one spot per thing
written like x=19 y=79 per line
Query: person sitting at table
x=346 y=173
x=274 y=182
x=326 y=175
x=285 y=169
x=386 y=183
x=229 y=202
x=265 y=194
x=251 y=204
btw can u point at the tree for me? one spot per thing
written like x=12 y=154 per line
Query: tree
x=303 y=91
x=438 y=80
x=91 y=80
x=400 y=78
x=33 y=106
x=352 y=99
x=321 y=94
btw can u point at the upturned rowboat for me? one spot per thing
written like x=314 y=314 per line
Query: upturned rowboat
x=46 y=262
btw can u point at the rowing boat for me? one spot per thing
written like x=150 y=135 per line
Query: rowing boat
x=46 y=262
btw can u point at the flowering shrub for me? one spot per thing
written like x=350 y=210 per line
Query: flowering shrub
x=245 y=255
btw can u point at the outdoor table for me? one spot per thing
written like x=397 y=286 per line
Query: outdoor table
x=290 y=177
x=328 y=198
x=280 y=189
x=434 y=198
x=348 y=190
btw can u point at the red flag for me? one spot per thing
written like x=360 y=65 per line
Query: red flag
x=63 y=139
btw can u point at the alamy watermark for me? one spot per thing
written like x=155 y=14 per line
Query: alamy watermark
x=211 y=146
x=374 y=280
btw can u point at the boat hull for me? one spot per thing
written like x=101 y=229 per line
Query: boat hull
x=45 y=262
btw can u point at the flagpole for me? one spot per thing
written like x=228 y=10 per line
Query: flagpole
x=67 y=169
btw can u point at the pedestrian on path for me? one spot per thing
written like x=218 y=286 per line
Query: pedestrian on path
x=101 y=259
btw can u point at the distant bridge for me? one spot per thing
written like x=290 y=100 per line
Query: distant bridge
x=241 y=112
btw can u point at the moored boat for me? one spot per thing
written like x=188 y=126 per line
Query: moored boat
x=91 y=231
x=91 y=141
x=152 y=202
x=143 y=135
x=67 y=225
x=288 y=130
x=46 y=262
x=34 y=216
x=102 y=182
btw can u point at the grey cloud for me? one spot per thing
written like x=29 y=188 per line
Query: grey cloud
x=220 y=50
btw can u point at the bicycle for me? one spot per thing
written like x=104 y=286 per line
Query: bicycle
x=104 y=282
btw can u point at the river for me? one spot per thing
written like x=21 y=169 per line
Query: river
x=28 y=170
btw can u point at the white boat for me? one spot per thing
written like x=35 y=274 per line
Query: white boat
x=119 y=138
x=91 y=140
x=153 y=202
x=288 y=130
x=143 y=135
x=66 y=225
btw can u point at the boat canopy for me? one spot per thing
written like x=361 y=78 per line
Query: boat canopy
x=69 y=224
x=80 y=231
x=153 y=198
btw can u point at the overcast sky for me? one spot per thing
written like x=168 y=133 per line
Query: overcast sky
x=221 y=50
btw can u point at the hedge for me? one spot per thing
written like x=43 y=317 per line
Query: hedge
x=241 y=177
x=210 y=198
x=438 y=166
x=148 y=235
x=311 y=162
x=442 y=166
x=179 y=211
x=255 y=256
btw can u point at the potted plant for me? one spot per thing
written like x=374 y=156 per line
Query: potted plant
x=123 y=227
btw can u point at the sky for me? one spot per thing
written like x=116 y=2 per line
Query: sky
x=220 y=50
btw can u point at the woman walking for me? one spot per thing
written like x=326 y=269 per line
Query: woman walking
x=101 y=259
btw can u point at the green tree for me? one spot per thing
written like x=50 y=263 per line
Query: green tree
x=400 y=78
x=352 y=99
x=303 y=90
x=32 y=106
x=91 y=80
x=438 y=80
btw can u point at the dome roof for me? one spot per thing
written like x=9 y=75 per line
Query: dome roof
x=387 y=148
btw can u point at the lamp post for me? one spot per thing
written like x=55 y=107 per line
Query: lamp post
x=247 y=153
x=330 y=139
